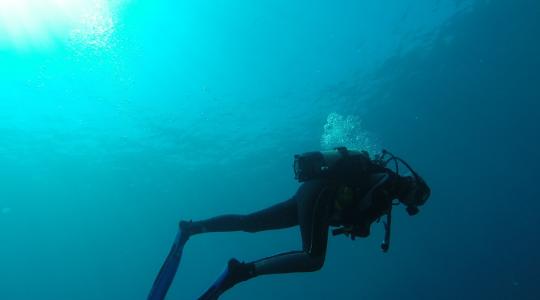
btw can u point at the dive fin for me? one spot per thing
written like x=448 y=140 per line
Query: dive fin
x=234 y=273
x=166 y=274
x=216 y=289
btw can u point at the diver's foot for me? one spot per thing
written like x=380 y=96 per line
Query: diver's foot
x=185 y=231
x=237 y=272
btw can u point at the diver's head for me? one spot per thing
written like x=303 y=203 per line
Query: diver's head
x=413 y=192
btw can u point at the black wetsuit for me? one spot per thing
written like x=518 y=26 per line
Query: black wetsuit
x=313 y=209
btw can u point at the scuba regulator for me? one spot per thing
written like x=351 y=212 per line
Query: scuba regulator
x=416 y=195
x=417 y=189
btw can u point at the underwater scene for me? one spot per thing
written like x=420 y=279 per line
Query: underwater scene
x=127 y=123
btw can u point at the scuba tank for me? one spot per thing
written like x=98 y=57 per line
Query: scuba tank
x=335 y=164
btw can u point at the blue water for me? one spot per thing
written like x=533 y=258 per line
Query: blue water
x=114 y=127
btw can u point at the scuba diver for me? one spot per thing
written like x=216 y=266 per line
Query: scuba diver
x=341 y=188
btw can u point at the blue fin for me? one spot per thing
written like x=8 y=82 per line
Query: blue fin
x=216 y=289
x=166 y=274
x=234 y=273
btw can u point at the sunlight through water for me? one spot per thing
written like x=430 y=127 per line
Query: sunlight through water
x=39 y=24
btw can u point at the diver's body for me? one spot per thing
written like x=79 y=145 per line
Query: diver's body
x=317 y=205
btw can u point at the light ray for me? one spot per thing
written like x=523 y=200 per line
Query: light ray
x=41 y=23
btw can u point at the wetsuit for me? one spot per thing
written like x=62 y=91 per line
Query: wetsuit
x=312 y=208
